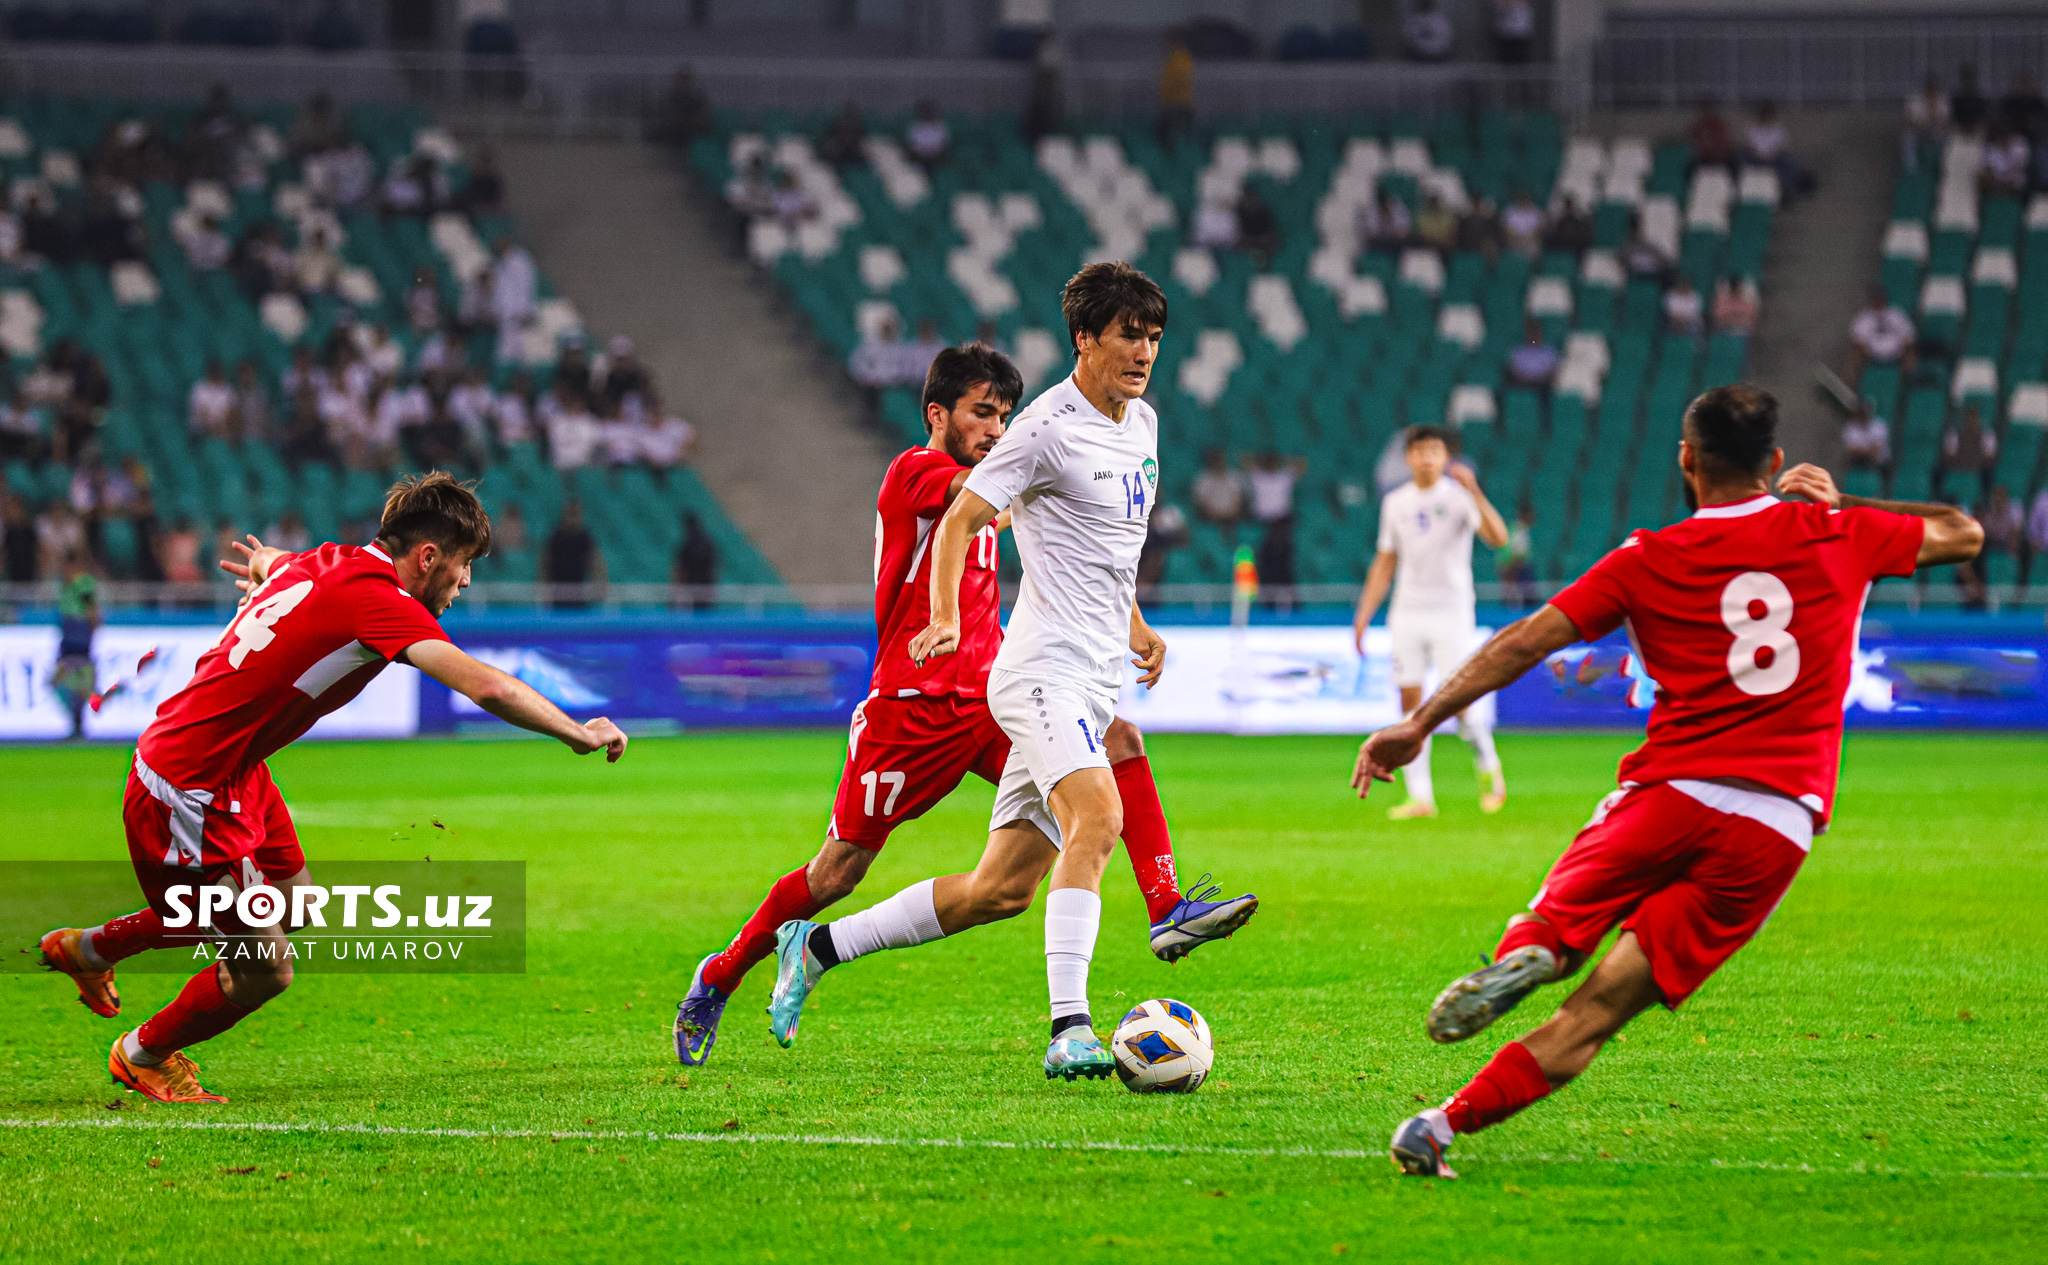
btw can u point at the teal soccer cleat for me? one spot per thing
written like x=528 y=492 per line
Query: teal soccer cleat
x=796 y=974
x=1078 y=1057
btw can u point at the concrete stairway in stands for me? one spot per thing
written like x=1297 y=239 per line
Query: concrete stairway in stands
x=782 y=437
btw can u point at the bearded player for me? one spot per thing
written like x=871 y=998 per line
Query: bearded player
x=1745 y=616
x=201 y=809
x=926 y=726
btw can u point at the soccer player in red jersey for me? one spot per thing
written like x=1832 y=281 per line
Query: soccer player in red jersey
x=925 y=726
x=1745 y=616
x=201 y=809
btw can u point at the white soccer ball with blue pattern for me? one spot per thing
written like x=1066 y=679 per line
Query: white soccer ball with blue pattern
x=1163 y=1047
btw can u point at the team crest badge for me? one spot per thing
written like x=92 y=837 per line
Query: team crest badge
x=1151 y=469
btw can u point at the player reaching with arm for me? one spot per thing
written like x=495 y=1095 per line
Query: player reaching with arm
x=926 y=725
x=1745 y=616
x=1077 y=471
x=201 y=809
x=1425 y=556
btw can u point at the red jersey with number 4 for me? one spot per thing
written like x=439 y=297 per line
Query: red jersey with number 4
x=910 y=504
x=323 y=623
x=1745 y=616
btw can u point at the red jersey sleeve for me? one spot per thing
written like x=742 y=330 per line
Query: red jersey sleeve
x=388 y=619
x=920 y=483
x=1598 y=601
x=1888 y=543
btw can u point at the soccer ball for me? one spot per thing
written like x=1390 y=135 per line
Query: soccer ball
x=1162 y=1046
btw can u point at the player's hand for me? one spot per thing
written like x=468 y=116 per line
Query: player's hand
x=941 y=636
x=600 y=734
x=1385 y=751
x=1810 y=482
x=1150 y=648
x=245 y=574
x=1358 y=636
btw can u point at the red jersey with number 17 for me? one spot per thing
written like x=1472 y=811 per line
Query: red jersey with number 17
x=910 y=504
x=321 y=625
x=1745 y=616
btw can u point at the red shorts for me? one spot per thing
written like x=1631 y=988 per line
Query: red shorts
x=904 y=755
x=241 y=833
x=1694 y=883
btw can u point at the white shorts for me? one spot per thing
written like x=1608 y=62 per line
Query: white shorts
x=1054 y=729
x=1432 y=639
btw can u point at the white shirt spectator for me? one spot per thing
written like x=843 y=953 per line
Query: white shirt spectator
x=573 y=437
x=620 y=442
x=1216 y=226
x=342 y=413
x=2005 y=162
x=207 y=248
x=1767 y=139
x=1428 y=34
x=1219 y=495
x=668 y=443
x=513 y=282
x=1883 y=334
x=21 y=420
x=515 y=419
x=10 y=238
x=209 y=406
x=1684 y=309
x=1867 y=441
x=402 y=406
x=382 y=354
x=470 y=404
x=1522 y=224
x=2037 y=522
x=928 y=138
x=1272 y=492
x=1987 y=446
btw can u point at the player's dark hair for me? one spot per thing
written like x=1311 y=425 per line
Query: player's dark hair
x=957 y=370
x=1733 y=431
x=1103 y=293
x=433 y=506
x=1423 y=434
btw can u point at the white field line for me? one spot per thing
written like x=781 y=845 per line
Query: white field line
x=961 y=1144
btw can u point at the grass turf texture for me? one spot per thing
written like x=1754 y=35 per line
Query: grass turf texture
x=1866 y=1079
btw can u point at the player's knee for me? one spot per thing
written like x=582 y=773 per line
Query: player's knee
x=251 y=987
x=1123 y=741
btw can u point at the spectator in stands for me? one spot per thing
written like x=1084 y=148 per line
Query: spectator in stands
x=17 y=540
x=1437 y=226
x=878 y=361
x=212 y=137
x=571 y=427
x=471 y=403
x=423 y=302
x=508 y=530
x=571 y=555
x=751 y=191
x=622 y=375
x=59 y=535
x=1176 y=117
x=1534 y=363
x=1737 y=307
x=1479 y=230
x=439 y=442
x=1271 y=481
x=789 y=202
x=1766 y=143
x=1684 y=309
x=1384 y=223
x=10 y=238
x=206 y=246
x=485 y=192
x=1967 y=108
x=1712 y=145
x=306 y=439
x=513 y=413
x=261 y=263
x=2004 y=169
x=1511 y=560
x=928 y=138
x=316 y=268
x=1521 y=225
x=178 y=553
x=2024 y=107
x=409 y=188
x=1215 y=227
x=1926 y=122
x=685 y=113
x=1514 y=31
x=1426 y=32
x=1881 y=334
x=381 y=353
x=1219 y=493
x=1165 y=531
x=318 y=128
x=252 y=420
x=1867 y=441
x=1571 y=230
x=1274 y=561
x=1970 y=447
x=845 y=138
x=344 y=417
x=919 y=354
x=289 y=533
x=112 y=226
x=344 y=177
x=666 y=441
x=22 y=430
x=696 y=564
x=210 y=405
x=2037 y=535
x=44 y=235
x=1045 y=107
x=2004 y=524
x=514 y=286
x=1258 y=229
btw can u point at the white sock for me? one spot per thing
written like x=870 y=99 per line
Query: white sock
x=132 y=1049
x=1439 y=1124
x=1073 y=916
x=1421 y=789
x=1480 y=738
x=92 y=960
x=909 y=917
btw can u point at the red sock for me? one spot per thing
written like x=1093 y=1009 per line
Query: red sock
x=1527 y=932
x=126 y=936
x=1145 y=836
x=789 y=898
x=199 y=1011
x=1510 y=1081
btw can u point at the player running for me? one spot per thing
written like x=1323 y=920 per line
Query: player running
x=313 y=630
x=1425 y=553
x=926 y=725
x=1745 y=615
x=1077 y=472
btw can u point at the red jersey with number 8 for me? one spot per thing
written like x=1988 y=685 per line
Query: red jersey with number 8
x=910 y=504
x=1745 y=616
x=321 y=625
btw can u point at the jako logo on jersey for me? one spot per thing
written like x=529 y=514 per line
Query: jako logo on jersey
x=1105 y=474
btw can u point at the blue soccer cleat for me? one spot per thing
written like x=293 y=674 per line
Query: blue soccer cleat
x=796 y=974
x=697 y=1018
x=1077 y=1058
x=1418 y=1145
x=1200 y=918
x=1470 y=1004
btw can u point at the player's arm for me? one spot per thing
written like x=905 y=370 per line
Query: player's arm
x=511 y=699
x=1493 y=529
x=955 y=533
x=1378 y=580
x=1150 y=648
x=1949 y=535
x=1499 y=663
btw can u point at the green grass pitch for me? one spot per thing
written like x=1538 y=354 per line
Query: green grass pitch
x=1867 y=1080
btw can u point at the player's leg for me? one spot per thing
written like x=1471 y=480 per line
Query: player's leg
x=1179 y=924
x=1416 y=780
x=1477 y=733
x=1016 y=860
x=1090 y=817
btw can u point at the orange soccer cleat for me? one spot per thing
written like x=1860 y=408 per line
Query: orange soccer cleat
x=96 y=991
x=176 y=1079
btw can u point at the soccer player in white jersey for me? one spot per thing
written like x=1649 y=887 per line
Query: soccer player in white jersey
x=1078 y=471
x=1425 y=555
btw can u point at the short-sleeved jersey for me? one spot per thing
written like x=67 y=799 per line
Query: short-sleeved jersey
x=1745 y=616
x=1079 y=488
x=1429 y=530
x=320 y=626
x=911 y=502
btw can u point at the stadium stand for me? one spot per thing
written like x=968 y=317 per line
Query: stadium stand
x=1323 y=337
x=107 y=274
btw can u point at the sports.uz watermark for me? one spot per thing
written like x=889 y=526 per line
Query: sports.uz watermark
x=365 y=917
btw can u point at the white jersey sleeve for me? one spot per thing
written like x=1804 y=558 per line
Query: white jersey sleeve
x=1025 y=461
